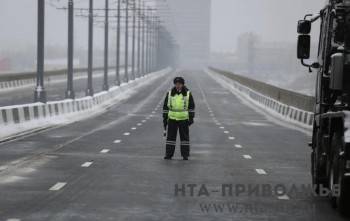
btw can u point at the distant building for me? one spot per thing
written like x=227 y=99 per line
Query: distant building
x=192 y=19
x=5 y=64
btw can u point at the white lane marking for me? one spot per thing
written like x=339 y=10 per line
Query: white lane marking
x=284 y=197
x=214 y=118
x=231 y=138
x=247 y=156
x=212 y=115
x=218 y=124
x=226 y=132
x=13 y=219
x=153 y=112
x=158 y=106
x=238 y=146
x=150 y=115
x=143 y=121
x=86 y=164
x=147 y=118
x=260 y=171
x=133 y=128
x=139 y=124
x=57 y=186
x=210 y=111
x=126 y=134
x=222 y=127
x=105 y=151
x=117 y=141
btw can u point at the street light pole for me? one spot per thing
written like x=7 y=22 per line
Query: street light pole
x=40 y=93
x=143 y=38
x=105 y=77
x=139 y=41
x=133 y=41
x=117 y=77
x=70 y=91
x=89 y=90
x=147 y=44
x=126 y=78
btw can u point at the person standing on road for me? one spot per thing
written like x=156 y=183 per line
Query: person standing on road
x=178 y=114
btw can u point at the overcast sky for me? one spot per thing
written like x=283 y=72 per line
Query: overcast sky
x=274 y=20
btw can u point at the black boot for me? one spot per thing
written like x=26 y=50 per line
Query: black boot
x=185 y=158
x=167 y=158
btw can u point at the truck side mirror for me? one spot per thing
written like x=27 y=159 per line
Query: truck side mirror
x=304 y=27
x=304 y=43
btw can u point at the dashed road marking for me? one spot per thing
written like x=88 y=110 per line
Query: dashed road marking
x=147 y=118
x=117 y=141
x=105 y=151
x=57 y=186
x=126 y=134
x=226 y=132
x=222 y=127
x=247 y=156
x=156 y=109
x=150 y=115
x=284 y=197
x=143 y=121
x=133 y=128
x=13 y=219
x=231 y=138
x=139 y=124
x=212 y=115
x=153 y=112
x=218 y=124
x=238 y=146
x=86 y=164
x=260 y=171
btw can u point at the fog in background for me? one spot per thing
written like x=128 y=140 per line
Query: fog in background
x=272 y=23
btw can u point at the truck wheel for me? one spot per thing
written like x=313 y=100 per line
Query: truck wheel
x=341 y=200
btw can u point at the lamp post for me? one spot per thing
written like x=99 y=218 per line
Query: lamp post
x=117 y=77
x=40 y=93
x=89 y=90
x=105 y=86
x=126 y=78
x=70 y=92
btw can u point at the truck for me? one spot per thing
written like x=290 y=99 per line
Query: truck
x=330 y=145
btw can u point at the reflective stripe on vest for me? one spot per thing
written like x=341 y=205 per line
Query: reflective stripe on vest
x=178 y=106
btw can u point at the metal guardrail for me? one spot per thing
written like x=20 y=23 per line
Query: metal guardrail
x=31 y=75
x=290 y=98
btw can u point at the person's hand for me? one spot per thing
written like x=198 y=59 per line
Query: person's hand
x=190 y=121
x=165 y=122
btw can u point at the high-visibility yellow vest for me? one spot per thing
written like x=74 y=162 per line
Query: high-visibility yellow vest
x=178 y=106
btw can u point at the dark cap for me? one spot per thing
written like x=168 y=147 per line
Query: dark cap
x=179 y=80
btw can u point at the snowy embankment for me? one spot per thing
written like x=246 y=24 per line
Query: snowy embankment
x=276 y=109
x=22 y=119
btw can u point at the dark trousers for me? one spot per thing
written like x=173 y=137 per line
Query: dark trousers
x=173 y=126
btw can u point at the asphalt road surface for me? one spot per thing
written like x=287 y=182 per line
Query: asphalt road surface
x=56 y=88
x=111 y=166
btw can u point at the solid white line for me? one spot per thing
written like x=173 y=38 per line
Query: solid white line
x=57 y=186
x=238 y=146
x=260 y=171
x=105 y=151
x=226 y=132
x=117 y=141
x=284 y=197
x=87 y=164
x=247 y=156
x=126 y=134
x=139 y=124
x=133 y=128
x=231 y=138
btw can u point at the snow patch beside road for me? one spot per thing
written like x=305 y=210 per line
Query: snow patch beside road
x=27 y=118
